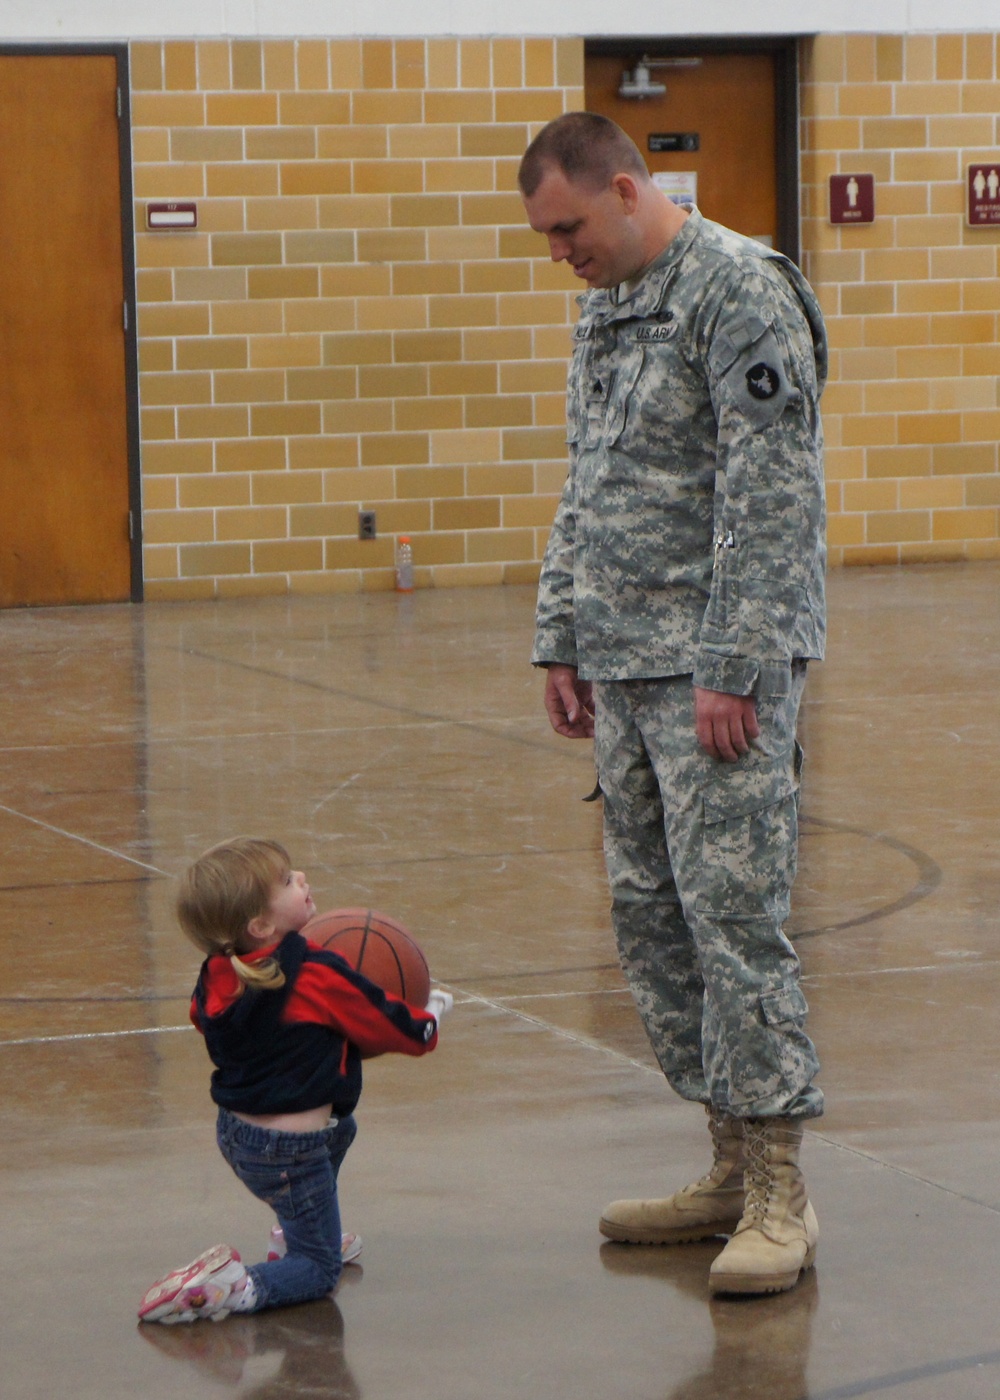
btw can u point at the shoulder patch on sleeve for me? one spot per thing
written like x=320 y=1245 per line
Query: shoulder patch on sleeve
x=756 y=381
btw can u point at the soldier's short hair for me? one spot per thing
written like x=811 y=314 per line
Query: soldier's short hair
x=588 y=149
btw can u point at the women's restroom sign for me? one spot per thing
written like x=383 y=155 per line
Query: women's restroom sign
x=984 y=195
x=852 y=199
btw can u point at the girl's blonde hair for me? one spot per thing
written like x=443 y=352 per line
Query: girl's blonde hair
x=223 y=891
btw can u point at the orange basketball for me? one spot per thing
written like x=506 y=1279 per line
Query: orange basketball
x=376 y=945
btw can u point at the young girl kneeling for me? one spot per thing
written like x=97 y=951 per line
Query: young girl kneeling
x=286 y=1025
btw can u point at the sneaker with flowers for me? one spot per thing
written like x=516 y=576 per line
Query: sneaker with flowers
x=211 y=1286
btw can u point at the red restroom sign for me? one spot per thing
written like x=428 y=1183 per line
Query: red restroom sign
x=852 y=199
x=984 y=194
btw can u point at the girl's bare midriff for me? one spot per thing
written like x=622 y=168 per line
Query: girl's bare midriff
x=311 y=1120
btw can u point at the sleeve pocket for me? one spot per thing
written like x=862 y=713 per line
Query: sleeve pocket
x=756 y=381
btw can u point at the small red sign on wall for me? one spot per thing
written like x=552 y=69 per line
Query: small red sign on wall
x=852 y=199
x=171 y=216
x=984 y=194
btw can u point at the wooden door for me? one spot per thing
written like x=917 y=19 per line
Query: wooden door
x=727 y=102
x=64 y=464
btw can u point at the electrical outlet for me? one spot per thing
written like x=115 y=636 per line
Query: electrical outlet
x=366 y=524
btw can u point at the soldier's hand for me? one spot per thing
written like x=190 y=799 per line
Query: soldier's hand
x=726 y=724
x=569 y=703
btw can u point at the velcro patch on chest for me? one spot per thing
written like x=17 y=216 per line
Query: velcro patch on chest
x=599 y=386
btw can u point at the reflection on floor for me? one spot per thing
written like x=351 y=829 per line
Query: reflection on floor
x=397 y=745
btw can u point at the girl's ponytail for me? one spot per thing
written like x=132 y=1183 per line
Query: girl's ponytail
x=265 y=974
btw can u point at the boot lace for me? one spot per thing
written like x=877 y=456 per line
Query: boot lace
x=710 y=1179
x=759 y=1178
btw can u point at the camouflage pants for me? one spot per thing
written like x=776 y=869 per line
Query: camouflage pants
x=701 y=858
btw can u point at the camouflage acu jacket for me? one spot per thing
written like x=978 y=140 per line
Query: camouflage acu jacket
x=690 y=534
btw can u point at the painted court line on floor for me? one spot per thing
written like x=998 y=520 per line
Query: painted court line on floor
x=83 y=840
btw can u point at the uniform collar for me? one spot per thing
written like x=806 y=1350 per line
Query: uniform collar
x=603 y=304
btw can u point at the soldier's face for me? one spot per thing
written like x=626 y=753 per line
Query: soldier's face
x=591 y=229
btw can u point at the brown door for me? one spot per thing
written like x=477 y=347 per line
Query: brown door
x=720 y=109
x=64 y=484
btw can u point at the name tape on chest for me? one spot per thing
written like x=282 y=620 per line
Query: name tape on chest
x=645 y=333
x=662 y=331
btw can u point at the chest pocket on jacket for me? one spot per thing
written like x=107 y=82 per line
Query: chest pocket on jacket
x=665 y=400
x=607 y=395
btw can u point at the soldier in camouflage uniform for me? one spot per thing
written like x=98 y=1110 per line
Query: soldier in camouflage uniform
x=680 y=599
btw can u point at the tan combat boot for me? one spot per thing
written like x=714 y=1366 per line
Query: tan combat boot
x=776 y=1239
x=711 y=1206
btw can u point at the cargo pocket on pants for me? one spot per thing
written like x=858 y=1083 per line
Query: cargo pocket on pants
x=748 y=846
x=784 y=1006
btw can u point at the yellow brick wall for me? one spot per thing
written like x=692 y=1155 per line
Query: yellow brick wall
x=912 y=413
x=360 y=320
x=363 y=320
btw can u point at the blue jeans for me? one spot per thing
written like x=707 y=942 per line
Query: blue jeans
x=296 y=1175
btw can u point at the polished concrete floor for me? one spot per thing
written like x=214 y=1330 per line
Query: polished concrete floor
x=398 y=746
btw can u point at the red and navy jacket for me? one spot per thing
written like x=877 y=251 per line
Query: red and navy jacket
x=299 y=1046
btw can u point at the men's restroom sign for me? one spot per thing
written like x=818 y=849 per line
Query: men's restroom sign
x=852 y=199
x=984 y=195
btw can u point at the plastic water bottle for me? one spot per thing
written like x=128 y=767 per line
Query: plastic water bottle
x=404 y=565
